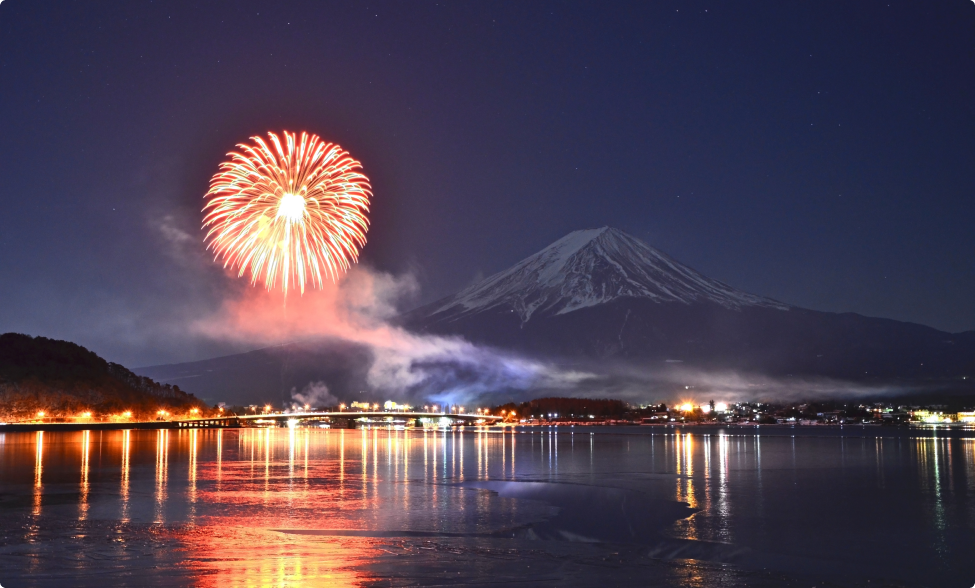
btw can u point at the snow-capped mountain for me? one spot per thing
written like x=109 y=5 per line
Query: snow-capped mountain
x=592 y=267
x=603 y=294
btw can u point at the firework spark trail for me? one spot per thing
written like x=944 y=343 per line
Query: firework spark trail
x=288 y=213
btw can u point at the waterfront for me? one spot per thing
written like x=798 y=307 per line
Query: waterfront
x=650 y=506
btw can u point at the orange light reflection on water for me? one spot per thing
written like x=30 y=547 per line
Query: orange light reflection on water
x=250 y=546
x=244 y=556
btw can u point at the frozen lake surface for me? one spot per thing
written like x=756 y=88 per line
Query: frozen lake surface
x=583 y=506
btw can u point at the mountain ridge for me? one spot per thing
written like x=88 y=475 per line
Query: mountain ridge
x=587 y=268
x=561 y=302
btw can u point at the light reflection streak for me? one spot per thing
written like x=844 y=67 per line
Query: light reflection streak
x=364 y=448
x=969 y=454
x=219 y=460
x=478 y=445
x=342 y=460
x=513 y=447
x=928 y=457
x=292 y=432
x=38 y=472
x=191 y=474
x=723 y=504
x=879 y=453
x=375 y=460
x=124 y=484
x=267 y=463
x=85 y=486
x=162 y=473
x=504 y=455
x=461 y=434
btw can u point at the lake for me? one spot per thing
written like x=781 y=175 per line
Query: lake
x=538 y=506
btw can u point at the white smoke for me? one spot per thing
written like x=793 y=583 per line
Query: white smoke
x=314 y=395
x=406 y=366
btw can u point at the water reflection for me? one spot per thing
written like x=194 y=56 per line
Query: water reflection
x=85 y=486
x=124 y=479
x=38 y=471
x=162 y=475
x=261 y=506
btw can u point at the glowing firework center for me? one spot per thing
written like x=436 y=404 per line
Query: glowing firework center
x=288 y=212
x=292 y=208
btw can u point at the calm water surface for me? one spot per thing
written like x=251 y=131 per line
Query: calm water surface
x=578 y=506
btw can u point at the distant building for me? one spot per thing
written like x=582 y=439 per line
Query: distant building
x=390 y=406
x=930 y=416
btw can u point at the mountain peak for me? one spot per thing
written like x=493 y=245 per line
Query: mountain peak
x=590 y=267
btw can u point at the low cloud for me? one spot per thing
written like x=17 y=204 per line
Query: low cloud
x=668 y=381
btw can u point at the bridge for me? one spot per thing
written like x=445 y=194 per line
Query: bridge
x=350 y=417
x=345 y=417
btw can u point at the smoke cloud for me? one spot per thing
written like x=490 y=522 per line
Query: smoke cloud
x=405 y=366
x=669 y=382
x=424 y=368
x=315 y=394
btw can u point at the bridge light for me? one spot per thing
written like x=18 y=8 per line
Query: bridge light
x=127 y=414
x=341 y=407
x=307 y=407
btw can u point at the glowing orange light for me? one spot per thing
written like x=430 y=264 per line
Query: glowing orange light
x=288 y=211
x=40 y=413
x=127 y=414
x=687 y=407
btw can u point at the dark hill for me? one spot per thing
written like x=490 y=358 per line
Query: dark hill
x=64 y=379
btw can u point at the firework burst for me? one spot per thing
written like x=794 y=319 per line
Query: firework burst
x=288 y=211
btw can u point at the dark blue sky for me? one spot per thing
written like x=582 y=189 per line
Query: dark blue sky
x=821 y=153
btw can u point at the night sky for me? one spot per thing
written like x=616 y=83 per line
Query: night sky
x=820 y=153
